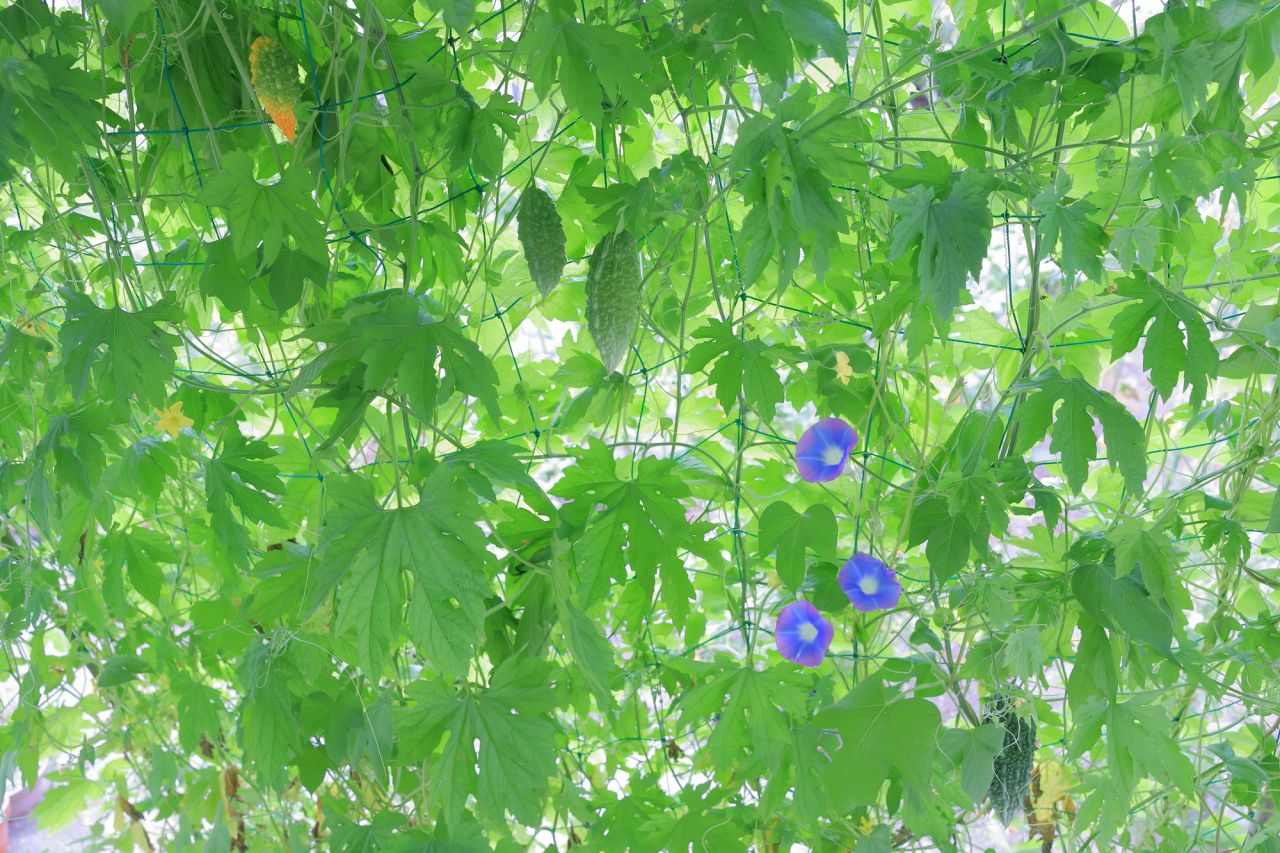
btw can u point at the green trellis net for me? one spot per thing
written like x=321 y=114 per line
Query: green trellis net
x=324 y=526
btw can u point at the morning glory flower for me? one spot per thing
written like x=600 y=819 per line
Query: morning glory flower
x=869 y=583
x=802 y=634
x=824 y=449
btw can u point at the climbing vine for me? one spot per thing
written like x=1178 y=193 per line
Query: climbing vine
x=637 y=425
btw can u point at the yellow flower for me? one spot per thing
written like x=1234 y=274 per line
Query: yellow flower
x=843 y=371
x=172 y=420
x=34 y=326
x=866 y=824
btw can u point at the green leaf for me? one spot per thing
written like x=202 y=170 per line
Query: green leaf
x=269 y=731
x=145 y=467
x=127 y=355
x=879 y=840
x=369 y=553
x=790 y=187
x=425 y=573
x=640 y=525
x=755 y=711
x=23 y=354
x=972 y=752
x=509 y=723
x=950 y=537
x=122 y=669
x=1094 y=672
x=141 y=551
x=458 y=14
x=266 y=215
x=593 y=65
x=1122 y=604
x=51 y=107
x=394 y=335
x=586 y=642
x=238 y=478
x=743 y=366
x=1148 y=548
x=1069 y=222
x=1139 y=746
x=949 y=234
x=489 y=464
x=225 y=275
x=198 y=717
x=1078 y=405
x=1023 y=652
x=880 y=733
x=772 y=35
x=590 y=650
x=63 y=804
x=790 y=534
x=289 y=274
x=1177 y=341
x=284 y=578
x=122 y=14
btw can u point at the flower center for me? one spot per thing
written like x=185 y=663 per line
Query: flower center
x=832 y=456
x=869 y=585
x=808 y=632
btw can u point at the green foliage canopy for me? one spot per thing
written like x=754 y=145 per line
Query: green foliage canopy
x=422 y=478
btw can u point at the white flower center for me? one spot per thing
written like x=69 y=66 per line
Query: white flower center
x=808 y=632
x=869 y=585
x=832 y=456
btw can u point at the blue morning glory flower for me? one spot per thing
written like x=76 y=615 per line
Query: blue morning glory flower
x=869 y=583
x=802 y=634
x=824 y=449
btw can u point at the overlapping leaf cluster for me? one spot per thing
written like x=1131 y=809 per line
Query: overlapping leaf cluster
x=423 y=480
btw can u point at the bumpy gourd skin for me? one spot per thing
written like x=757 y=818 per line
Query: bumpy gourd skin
x=1013 y=763
x=613 y=296
x=274 y=74
x=541 y=237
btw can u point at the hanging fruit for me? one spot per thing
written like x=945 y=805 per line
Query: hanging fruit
x=274 y=74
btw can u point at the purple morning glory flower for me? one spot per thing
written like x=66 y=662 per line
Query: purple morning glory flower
x=802 y=634
x=824 y=449
x=869 y=583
